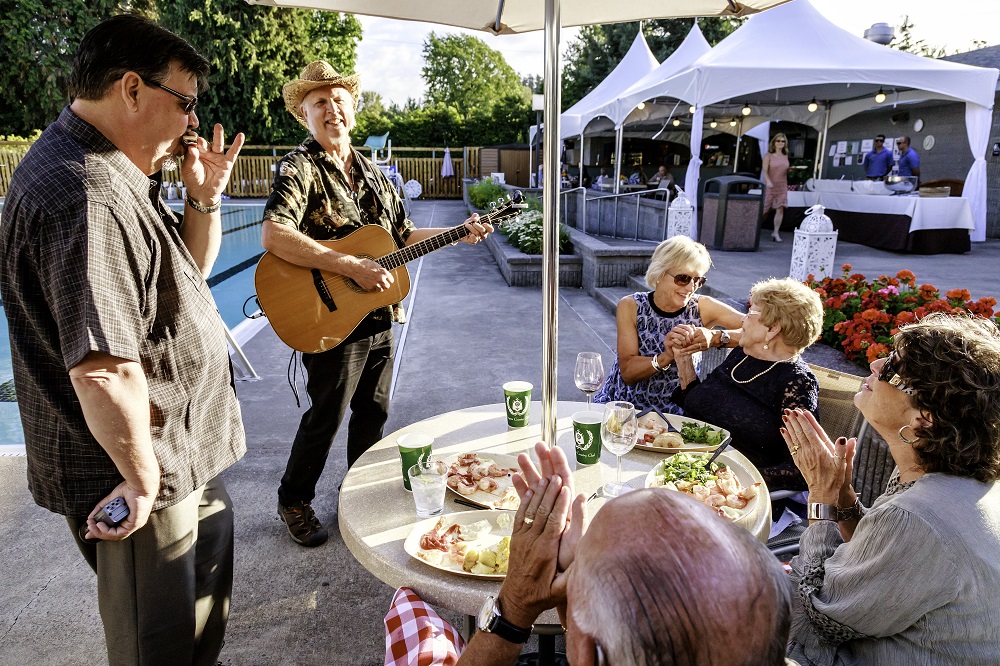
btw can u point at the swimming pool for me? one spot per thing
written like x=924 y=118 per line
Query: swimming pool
x=231 y=282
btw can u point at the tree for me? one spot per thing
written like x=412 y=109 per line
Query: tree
x=40 y=40
x=904 y=41
x=461 y=71
x=599 y=48
x=253 y=51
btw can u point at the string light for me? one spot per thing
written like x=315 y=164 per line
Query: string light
x=813 y=106
x=677 y=122
x=691 y=109
x=641 y=106
x=713 y=124
x=746 y=109
x=880 y=96
x=732 y=123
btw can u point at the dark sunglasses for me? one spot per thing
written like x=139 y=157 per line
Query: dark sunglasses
x=879 y=140
x=684 y=280
x=890 y=375
x=189 y=102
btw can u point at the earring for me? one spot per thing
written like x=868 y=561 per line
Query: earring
x=765 y=345
x=903 y=437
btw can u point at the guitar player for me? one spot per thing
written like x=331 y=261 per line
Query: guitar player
x=324 y=190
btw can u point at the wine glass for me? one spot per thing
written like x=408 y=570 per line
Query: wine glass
x=588 y=374
x=619 y=430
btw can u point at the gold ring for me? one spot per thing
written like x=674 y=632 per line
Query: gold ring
x=839 y=456
x=528 y=521
x=795 y=449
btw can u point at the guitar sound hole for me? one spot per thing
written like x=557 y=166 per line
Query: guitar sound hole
x=354 y=286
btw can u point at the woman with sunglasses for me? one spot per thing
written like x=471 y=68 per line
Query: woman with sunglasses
x=747 y=394
x=652 y=324
x=774 y=173
x=914 y=578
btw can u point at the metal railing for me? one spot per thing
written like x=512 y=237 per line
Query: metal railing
x=615 y=197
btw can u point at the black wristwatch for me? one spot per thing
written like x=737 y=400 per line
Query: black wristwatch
x=492 y=622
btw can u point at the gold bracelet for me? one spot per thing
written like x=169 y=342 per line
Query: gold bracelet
x=211 y=208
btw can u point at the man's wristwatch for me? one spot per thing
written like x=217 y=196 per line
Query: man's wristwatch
x=724 y=338
x=818 y=511
x=492 y=622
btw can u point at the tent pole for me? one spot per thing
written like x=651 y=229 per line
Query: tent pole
x=552 y=75
x=736 y=157
x=818 y=167
x=579 y=181
x=618 y=159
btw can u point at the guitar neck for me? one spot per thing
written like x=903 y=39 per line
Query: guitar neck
x=428 y=245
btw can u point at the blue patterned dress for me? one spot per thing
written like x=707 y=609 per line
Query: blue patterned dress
x=652 y=324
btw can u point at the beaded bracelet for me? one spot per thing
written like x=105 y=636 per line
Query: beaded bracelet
x=211 y=208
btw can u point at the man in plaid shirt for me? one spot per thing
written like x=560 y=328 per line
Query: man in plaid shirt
x=120 y=360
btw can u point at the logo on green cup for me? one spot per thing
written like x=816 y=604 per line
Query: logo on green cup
x=580 y=446
x=517 y=405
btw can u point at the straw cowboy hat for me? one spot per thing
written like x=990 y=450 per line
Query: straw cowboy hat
x=316 y=75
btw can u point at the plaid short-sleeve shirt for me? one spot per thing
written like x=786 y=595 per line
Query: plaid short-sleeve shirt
x=311 y=195
x=92 y=260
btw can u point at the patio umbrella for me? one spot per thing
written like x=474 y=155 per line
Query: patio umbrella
x=508 y=17
x=446 y=166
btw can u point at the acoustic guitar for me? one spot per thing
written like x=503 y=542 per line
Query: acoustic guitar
x=313 y=310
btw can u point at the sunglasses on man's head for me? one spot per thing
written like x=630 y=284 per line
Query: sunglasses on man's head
x=683 y=280
x=890 y=375
x=189 y=102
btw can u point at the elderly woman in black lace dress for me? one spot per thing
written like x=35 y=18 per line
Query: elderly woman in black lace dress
x=913 y=579
x=748 y=393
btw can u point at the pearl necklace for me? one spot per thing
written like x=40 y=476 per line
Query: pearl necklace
x=732 y=373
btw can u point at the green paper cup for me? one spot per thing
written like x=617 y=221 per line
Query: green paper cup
x=517 y=397
x=587 y=437
x=413 y=448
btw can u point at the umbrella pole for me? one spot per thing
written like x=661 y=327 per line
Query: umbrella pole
x=550 y=222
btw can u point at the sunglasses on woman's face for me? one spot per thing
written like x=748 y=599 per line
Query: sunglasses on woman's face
x=889 y=375
x=683 y=280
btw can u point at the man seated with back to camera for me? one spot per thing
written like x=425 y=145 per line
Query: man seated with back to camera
x=657 y=578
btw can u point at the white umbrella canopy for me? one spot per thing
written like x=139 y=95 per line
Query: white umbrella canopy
x=508 y=17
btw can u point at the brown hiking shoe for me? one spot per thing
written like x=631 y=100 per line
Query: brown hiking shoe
x=303 y=526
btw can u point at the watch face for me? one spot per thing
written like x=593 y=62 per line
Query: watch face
x=486 y=614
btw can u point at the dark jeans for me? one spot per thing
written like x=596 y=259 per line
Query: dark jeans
x=358 y=373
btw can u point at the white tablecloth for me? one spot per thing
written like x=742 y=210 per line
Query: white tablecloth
x=848 y=186
x=924 y=212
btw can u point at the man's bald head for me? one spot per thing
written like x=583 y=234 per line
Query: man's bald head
x=660 y=579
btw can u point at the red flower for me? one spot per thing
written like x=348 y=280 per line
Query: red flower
x=846 y=268
x=958 y=294
x=907 y=277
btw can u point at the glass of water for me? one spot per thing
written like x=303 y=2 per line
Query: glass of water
x=619 y=430
x=428 y=481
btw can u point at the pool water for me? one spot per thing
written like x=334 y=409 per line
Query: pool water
x=231 y=282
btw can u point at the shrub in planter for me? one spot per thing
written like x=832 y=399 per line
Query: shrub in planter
x=525 y=232
x=861 y=316
x=486 y=192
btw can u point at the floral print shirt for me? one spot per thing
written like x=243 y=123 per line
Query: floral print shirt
x=311 y=194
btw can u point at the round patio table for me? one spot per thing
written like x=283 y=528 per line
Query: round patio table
x=376 y=512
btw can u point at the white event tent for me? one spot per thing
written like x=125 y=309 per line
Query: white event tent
x=637 y=63
x=780 y=60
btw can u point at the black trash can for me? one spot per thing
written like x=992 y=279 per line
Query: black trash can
x=730 y=210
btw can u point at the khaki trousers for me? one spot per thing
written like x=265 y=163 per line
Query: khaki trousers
x=163 y=593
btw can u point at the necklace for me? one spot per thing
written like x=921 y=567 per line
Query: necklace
x=732 y=373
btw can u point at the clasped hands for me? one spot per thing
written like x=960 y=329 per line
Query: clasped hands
x=825 y=465
x=686 y=339
x=547 y=527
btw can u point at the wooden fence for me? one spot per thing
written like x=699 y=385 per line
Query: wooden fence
x=253 y=174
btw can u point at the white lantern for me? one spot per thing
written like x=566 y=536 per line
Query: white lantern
x=815 y=246
x=679 y=216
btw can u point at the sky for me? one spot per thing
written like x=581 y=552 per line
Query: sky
x=390 y=60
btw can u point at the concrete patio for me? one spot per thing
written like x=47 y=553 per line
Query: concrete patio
x=468 y=333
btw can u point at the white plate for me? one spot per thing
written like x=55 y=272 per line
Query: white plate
x=676 y=422
x=412 y=543
x=481 y=497
x=745 y=479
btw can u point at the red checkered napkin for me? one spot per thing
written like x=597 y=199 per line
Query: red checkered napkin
x=415 y=635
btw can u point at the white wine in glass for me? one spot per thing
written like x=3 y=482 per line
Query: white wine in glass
x=588 y=373
x=619 y=431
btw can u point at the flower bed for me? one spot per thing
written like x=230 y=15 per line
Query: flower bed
x=861 y=316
